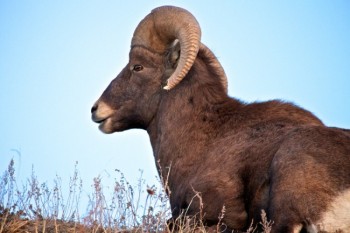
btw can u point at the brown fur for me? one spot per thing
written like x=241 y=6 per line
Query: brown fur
x=247 y=157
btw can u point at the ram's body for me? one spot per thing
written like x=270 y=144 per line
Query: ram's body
x=247 y=157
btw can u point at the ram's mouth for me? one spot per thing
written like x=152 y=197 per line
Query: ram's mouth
x=101 y=114
x=98 y=121
x=98 y=117
x=104 y=123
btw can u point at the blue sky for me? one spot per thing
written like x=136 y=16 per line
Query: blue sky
x=56 y=58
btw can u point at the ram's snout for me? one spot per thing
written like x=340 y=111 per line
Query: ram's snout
x=101 y=113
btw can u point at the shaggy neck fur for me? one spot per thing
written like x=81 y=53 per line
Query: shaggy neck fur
x=187 y=113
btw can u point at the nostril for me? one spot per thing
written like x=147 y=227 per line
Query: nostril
x=94 y=108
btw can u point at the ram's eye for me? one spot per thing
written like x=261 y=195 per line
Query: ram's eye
x=137 y=68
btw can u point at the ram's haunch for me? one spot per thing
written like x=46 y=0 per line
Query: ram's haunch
x=247 y=157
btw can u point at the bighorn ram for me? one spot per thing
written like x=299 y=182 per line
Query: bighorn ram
x=247 y=157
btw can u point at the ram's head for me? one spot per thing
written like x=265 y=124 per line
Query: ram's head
x=163 y=49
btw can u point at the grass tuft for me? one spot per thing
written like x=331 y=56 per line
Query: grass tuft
x=37 y=207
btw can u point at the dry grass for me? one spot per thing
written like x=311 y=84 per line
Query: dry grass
x=36 y=207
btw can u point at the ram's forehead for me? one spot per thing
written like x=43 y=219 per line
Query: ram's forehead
x=140 y=53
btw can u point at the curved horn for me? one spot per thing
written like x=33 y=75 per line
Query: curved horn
x=161 y=27
x=216 y=64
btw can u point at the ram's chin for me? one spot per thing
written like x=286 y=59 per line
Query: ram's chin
x=109 y=127
x=106 y=126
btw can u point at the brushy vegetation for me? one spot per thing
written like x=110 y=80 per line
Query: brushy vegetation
x=36 y=207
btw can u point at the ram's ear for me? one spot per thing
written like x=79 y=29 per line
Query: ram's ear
x=172 y=58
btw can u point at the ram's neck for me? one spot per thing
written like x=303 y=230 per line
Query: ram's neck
x=184 y=124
